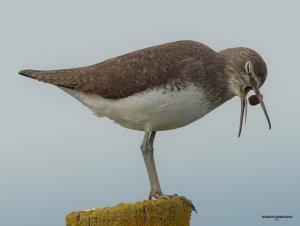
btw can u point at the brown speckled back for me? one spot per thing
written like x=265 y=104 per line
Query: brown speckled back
x=119 y=77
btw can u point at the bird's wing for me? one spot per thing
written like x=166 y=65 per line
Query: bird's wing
x=127 y=74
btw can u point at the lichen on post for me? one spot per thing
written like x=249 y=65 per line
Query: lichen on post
x=161 y=212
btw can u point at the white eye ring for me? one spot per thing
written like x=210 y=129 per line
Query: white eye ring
x=248 y=68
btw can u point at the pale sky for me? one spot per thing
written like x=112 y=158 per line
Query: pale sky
x=57 y=157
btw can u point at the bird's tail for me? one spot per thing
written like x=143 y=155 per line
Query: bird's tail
x=29 y=73
x=67 y=78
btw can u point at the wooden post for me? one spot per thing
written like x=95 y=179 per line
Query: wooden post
x=161 y=212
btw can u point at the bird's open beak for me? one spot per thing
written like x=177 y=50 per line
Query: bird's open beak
x=244 y=106
x=260 y=97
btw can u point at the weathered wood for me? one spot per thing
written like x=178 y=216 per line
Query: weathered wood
x=161 y=212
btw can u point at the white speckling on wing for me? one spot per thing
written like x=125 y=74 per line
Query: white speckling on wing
x=153 y=110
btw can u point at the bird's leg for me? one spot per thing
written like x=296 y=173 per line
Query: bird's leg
x=147 y=150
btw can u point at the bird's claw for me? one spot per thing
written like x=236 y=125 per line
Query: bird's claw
x=161 y=195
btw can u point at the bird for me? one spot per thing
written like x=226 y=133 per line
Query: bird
x=163 y=87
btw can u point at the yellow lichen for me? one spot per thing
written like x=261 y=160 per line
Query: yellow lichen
x=161 y=212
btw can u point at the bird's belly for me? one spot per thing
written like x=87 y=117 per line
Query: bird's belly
x=153 y=110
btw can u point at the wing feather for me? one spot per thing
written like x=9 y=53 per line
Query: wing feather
x=130 y=73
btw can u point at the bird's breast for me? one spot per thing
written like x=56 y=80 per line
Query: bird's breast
x=156 y=109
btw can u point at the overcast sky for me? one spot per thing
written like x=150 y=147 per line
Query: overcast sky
x=57 y=157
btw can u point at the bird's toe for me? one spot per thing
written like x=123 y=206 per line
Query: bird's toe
x=160 y=195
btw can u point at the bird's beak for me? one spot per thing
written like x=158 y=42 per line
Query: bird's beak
x=244 y=106
x=260 y=97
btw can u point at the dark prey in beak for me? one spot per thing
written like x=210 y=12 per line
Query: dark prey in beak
x=253 y=100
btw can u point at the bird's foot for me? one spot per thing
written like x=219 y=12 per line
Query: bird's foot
x=159 y=195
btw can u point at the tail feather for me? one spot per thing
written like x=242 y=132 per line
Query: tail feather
x=28 y=73
x=64 y=78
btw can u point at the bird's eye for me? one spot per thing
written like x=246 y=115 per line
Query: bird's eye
x=248 y=68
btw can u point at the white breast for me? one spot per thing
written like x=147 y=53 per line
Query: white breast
x=152 y=110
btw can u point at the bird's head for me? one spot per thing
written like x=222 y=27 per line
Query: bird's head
x=246 y=71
